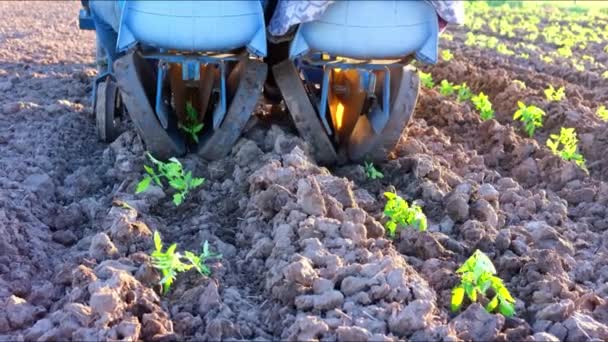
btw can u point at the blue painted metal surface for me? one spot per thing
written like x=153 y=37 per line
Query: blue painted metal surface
x=85 y=21
x=194 y=26
x=371 y=30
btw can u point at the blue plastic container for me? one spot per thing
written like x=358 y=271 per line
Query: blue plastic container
x=372 y=30
x=194 y=26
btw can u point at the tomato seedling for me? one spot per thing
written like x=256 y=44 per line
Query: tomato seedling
x=371 y=172
x=199 y=261
x=531 y=116
x=401 y=215
x=446 y=88
x=484 y=106
x=463 y=92
x=555 y=95
x=170 y=262
x=602 y=112
x=477 y=276
x=426 y=79
x=191 y=126
x=565 y=145
x=447 y=55
x=174 y=174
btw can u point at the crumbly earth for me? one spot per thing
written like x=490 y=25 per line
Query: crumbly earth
x=305 y=255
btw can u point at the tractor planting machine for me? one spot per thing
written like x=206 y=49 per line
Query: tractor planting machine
x=191 y=73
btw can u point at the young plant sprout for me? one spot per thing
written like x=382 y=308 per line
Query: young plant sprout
x=477 y=276
x=199 y=261
x=484 y=106
x=401 y=215
x=371 y=172
x=426 y=79
x=170 y=262
x=447 y=55
x=565 y=145
x=602 y=112
x=463 y=92
x=553 y=94
x=191 y=126
x=446 y=88
x=174 y=175
x=531 y=116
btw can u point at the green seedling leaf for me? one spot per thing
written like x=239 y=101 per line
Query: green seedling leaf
x=531 y=116
x=477 y=277
x=401 y=215
x=170 y=263
x=427 y=80
x=555 y=95
x=602 y=112
x=447 y=55
x=371 y=172
x=173 y=174
x=565 y=146
x=446 y=88
x=457 y=298
x=143 y=185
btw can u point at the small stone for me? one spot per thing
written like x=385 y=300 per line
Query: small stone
x=582 y=327
x=105 y=301
x=328 y=300
x=310 y=197
x=248 y=153
x=40 y=184
x=446 y=225
x=556 y=312
x=356 y=232
x=38 y=329
x=484 y=212
x=102 y=247
x=352 y=334
x=476 y=324
x=210 y=299
x=20 y=313
x=457 y=208
x=488 y=192
x=300 y=272
x=546 y=237
x=321 y=285
x=64 y=237
x=416 y=316
x=351 y=285
x=544 y=337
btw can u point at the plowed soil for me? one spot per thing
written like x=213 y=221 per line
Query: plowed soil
x=304 y=251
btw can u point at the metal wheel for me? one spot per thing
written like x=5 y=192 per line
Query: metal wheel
x=303 y=113
x=364 y=142
x=245 y=84
x=107 y=110
x=136 y=79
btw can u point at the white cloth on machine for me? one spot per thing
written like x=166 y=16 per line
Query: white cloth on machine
x=289 y=13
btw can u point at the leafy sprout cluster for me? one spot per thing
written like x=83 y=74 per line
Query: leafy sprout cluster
x=446 y=88
x=427 y=80
x=565 y=145
x=447 y=55
x=173 y=173
x=483 y=106
x=602 y=112
x=477 y=277
x=192 y=127
x=531 y=116
x=170 y=262
x=371 y=172
x=555 y=95
x=401 y=215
